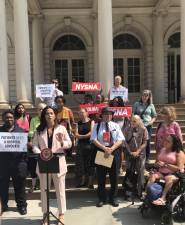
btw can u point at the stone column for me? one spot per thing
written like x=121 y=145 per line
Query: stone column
x=22 y=52
x=148 y=79
x=4 y=86
x=158 y=52
x=95 y=45
x=90 y=63
x=105 y=44
x=182 y=51
x=37 y=48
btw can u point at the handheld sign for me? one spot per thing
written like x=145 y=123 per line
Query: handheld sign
x=122 y=111
x=45 y=90
x=93 y=108
x=122 y=92
x=79 y=86
x=13 y=142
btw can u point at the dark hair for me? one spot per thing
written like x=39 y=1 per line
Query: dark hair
x=88 y=96
x=60 y=97
x=6 y=112
x=120 y=102
x=17 y=115
x=43 y=123
x=176 y=144
x=102 y=97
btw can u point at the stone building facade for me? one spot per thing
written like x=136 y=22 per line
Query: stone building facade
x=92 y=40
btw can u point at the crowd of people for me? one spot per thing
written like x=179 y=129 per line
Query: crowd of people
x=122 y=139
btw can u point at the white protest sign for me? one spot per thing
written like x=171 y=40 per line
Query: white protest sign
x=122 y=92
x=45 y=90
x=13 y=142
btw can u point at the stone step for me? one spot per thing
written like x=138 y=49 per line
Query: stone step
x=154 y=128
x=71 y=191
x=154 y=136
x=181 y=122
x=71 y=180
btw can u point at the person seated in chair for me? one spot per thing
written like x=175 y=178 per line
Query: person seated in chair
x=170 y=160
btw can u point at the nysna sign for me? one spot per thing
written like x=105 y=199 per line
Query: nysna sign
x=93 y=108
x=122 y=111
x=79 y=86
x=118 y=111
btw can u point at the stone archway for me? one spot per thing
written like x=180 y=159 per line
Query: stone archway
x=135 y=28
x=146 y=52
x=62 y=28
x=175 y=27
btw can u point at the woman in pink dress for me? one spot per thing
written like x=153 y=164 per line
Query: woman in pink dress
x=166 y=127
x=170 y=160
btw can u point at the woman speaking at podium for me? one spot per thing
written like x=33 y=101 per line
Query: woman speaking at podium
x=55 y=137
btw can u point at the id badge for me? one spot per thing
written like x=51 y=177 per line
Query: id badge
x=106 y=137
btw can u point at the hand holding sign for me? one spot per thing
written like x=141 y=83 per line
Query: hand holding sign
x=45 y=90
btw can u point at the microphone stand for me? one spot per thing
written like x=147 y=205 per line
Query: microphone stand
x=48 y=213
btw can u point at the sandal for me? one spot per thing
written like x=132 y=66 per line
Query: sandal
x=159 y=201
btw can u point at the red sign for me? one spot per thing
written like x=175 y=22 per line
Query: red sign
x=106 y=137
x=122 y=111
x=78 y=86
x=93 y=108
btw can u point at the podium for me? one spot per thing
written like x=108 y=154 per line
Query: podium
x=46 y=167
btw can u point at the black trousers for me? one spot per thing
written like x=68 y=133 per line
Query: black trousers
x=113 y=175
x=83 y=160
x=32 y=164
x=149 y=129
x=18 y=183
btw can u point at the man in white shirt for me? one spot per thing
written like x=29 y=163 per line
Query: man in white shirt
x=51 y=101
x=118 y=90
x=108 y=137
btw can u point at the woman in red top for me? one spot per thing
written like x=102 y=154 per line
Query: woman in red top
x=22 y=119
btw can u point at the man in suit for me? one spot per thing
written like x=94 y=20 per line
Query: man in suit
x=12 y=164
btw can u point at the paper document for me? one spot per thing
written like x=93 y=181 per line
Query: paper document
x=101 y=160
